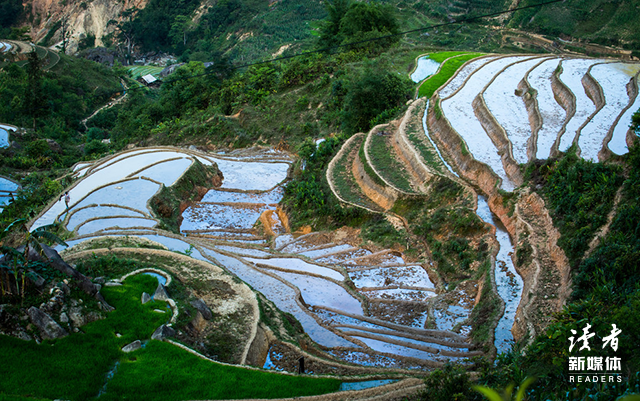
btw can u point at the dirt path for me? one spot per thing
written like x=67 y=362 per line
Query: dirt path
x=108 y=105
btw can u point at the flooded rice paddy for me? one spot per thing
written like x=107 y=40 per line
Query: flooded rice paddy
x=425 y=68
x=327 y=286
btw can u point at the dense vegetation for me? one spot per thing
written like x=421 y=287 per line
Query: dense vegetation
x=605 y=286
x=159 y=370
x=599 y=21
x=10 y=13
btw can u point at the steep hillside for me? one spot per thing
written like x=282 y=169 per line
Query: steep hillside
x=93 y=18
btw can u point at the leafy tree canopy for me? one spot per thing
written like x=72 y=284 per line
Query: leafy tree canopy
x=350 y=22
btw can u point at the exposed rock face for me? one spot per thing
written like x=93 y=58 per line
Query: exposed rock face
x=198 y=324
x=55 y=261
x=163 y=332
x=161 y=294
x=202 y=308
x=132 y=346
x=84 y=18
x=47 y=326
x=145 y=298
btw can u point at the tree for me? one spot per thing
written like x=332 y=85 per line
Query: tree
x=16 y=260
x=330 y=28
x=35 y=96
x=10 y=12
x=127 y=30
x=349 y=22
x=376 y=93
x=19 y=259
x=65 y=33
x=179 y=29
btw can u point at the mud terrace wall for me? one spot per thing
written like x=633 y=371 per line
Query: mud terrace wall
x=383 y=196
x=566 y=99
x=499 y=137
x=417 y=168
x=548 y=274
x=547 y=281
x=535 y=120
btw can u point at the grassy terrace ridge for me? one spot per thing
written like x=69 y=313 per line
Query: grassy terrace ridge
x=76 y=367
x=343 y=179
x=418 y=138
x=447 y=69
x=367 y=168
x=382 y=156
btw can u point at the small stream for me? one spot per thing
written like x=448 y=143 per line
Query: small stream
x=508 y=282
x=426 y=132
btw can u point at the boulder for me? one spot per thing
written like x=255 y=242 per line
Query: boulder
x=54 y=146
x=198 y=323
x=202 y=308
x=161 y=293
x=163 y=332
x=36 y=279
x=76 y=317
x=47 y=326
x=132 y=346
x=64 y=318
x=145 y=298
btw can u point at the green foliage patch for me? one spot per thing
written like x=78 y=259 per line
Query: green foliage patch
x=44 y=370
x=384 y=159
x=580 y=195
x=447 y=70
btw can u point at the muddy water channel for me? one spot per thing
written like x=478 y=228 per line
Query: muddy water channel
x=508 y=282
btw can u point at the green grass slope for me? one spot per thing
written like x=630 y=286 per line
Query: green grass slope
x=76 y=367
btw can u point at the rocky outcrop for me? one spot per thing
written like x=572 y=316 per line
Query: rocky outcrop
x=136 y=345
x=145 y=298
x=202 y=308
x=84 y=18
x=52 y=257
x=161 y=293
x=163 y=332
x=49 y=328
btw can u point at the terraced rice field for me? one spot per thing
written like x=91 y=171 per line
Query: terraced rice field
x=138 y=71
x=17 y=52
x=505 y=111
x=364 y=307
x=8 y=190
x=4 y=135
x=529 y=121
x=306 y=276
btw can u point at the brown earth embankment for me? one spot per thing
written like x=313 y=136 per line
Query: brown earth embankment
x=530 y=99
x=499 y=138
x=566 y=99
